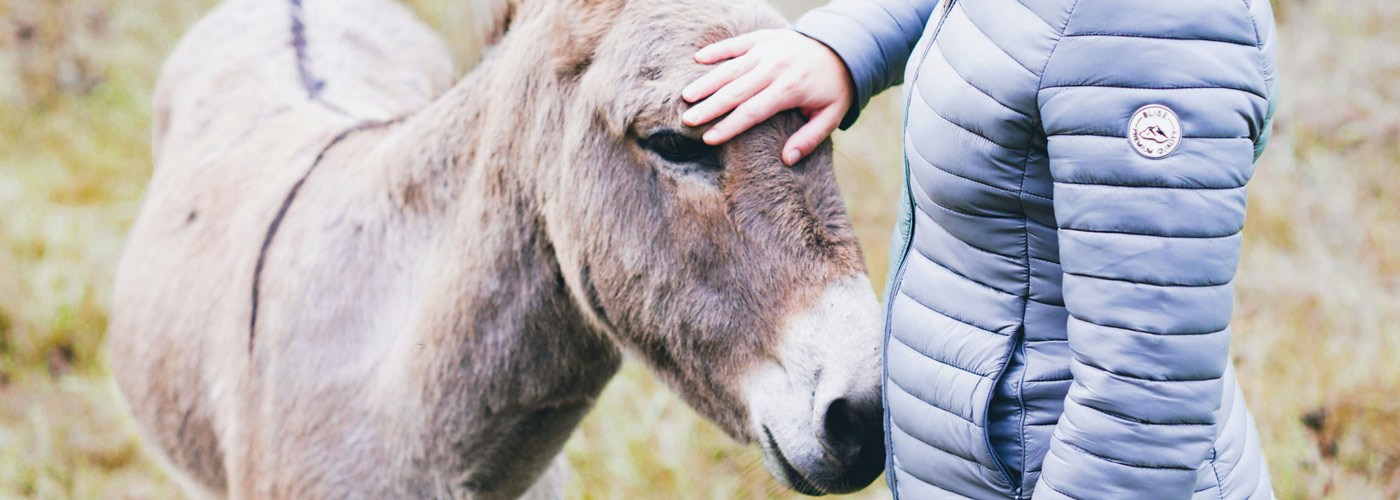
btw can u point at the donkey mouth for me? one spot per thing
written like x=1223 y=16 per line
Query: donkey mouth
x=790 y=474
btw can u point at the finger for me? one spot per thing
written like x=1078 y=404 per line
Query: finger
x=767 y=103
x=717 y=78
x=806 y=139
x=725 y=49
x=725 y=99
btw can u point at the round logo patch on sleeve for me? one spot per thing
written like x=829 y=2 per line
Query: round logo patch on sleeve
x=1154 y=131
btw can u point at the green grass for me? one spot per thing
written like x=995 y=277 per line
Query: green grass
x=1317 y=328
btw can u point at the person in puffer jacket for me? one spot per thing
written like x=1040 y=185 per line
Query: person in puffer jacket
x=1061 y=291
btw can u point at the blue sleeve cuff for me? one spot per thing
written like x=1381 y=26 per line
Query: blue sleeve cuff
x=873 y=38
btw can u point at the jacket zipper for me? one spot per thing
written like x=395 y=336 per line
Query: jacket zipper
x=1015 y=337
x=898 y=281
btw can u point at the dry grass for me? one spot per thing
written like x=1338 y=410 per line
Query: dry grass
x=1317 y=322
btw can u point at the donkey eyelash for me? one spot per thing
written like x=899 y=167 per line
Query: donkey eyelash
x=676 y=148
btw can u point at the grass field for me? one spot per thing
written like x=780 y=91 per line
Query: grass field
x=1317 y=330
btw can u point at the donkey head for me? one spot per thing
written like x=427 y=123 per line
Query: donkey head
x=737 y=279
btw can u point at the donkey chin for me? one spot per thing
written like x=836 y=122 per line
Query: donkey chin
x=817 y=410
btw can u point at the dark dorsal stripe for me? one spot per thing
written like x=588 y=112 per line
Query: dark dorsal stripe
x=309 y=81
x=312 y=84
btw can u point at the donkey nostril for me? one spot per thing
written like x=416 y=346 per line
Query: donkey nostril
x=842 y=430
x=852 y=436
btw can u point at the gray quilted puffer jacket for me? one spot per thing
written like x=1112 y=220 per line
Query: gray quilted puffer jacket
x=1058 y=323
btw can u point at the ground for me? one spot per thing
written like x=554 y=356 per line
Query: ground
x=1317 y=319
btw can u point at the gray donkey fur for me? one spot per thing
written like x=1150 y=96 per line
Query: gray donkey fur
x=352 y=277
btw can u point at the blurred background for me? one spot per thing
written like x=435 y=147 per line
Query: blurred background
x=1317 y=319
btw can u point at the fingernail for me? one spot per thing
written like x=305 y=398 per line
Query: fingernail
x=688 y=117
x=710 y=136
x=688 y=94
x=790 y=157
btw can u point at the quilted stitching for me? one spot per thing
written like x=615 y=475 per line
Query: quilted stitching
x=1036 y=231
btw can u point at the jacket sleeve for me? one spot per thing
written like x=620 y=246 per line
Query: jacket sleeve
x=873 y=38
x=1148 y=246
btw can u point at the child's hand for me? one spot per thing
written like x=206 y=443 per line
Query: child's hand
x=767 y=72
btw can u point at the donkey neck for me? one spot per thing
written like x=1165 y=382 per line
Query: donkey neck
x=497 y=131
x=500 y=350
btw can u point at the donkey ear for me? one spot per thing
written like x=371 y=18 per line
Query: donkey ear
x=495 y=17
x=580 y=27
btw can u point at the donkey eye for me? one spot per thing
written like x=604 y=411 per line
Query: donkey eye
x=677 y=148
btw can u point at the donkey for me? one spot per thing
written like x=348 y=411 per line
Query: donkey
x=352 y=277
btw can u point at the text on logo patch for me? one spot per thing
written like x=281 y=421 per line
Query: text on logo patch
x=1154 y=131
